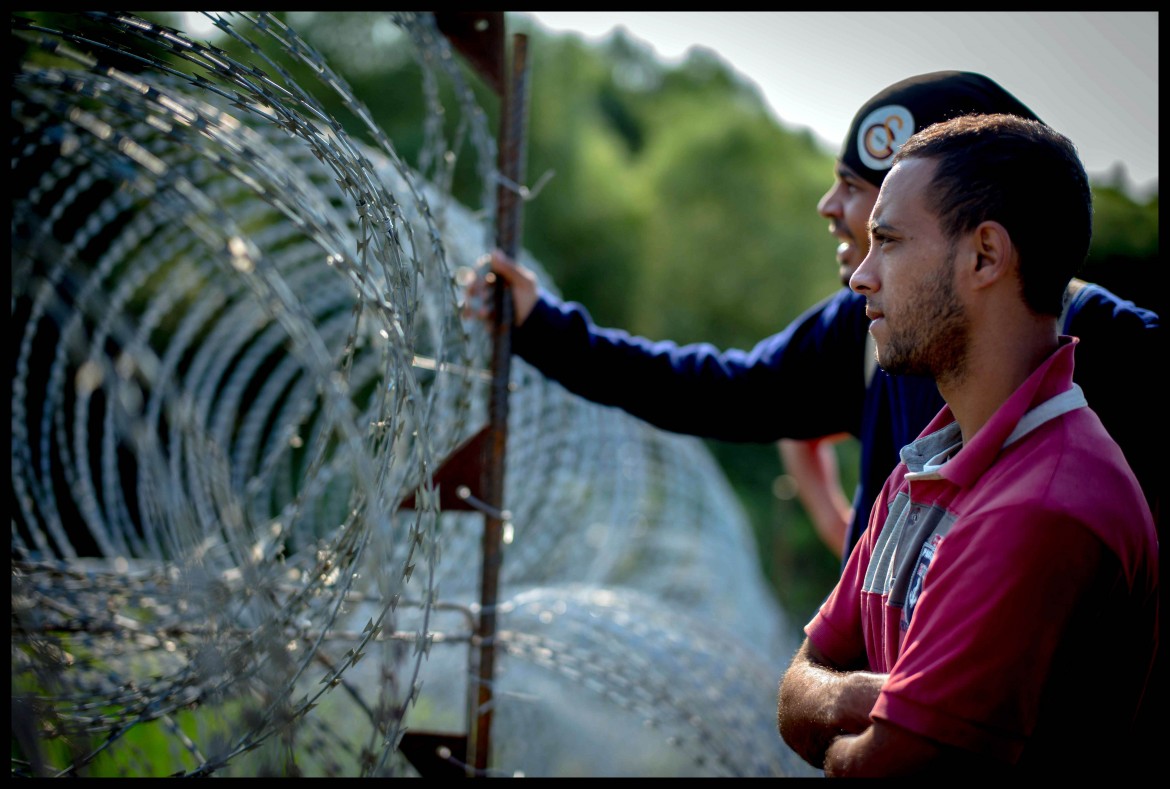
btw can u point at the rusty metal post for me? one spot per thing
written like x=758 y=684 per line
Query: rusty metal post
x=508 y=223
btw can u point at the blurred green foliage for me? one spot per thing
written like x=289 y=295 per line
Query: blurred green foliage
x=678 y=208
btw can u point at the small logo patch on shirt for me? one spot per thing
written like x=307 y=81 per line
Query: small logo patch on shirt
x=925 y=557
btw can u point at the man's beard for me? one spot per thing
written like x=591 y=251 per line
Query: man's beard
x=933 y=340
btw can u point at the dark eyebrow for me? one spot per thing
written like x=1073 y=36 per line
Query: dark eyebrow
x=883 y=230
x=846 y=174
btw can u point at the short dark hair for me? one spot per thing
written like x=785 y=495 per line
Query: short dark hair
x=1025 y=176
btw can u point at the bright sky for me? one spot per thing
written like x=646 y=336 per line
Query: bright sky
x=1091 y=75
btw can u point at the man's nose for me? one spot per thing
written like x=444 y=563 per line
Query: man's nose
x=829 y=205
x=862 y=279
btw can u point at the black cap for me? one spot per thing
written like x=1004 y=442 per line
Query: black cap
x=885 y=122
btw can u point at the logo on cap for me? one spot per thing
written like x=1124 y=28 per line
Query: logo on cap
x=882 y=133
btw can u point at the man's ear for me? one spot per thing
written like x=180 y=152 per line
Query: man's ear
x=992 y=253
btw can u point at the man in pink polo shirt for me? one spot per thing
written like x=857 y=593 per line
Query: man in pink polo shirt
x=1000 y=612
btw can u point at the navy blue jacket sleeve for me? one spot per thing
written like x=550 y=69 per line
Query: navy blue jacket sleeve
x=1120 y=363
x=806 y=381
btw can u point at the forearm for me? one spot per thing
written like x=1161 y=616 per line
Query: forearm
x=813 y=464
x=818 y=703
x=801 y=382
x=876 y=752
x=695 y=390
x=887 y=750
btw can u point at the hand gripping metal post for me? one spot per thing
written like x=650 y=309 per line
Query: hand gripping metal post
x=472 y=478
